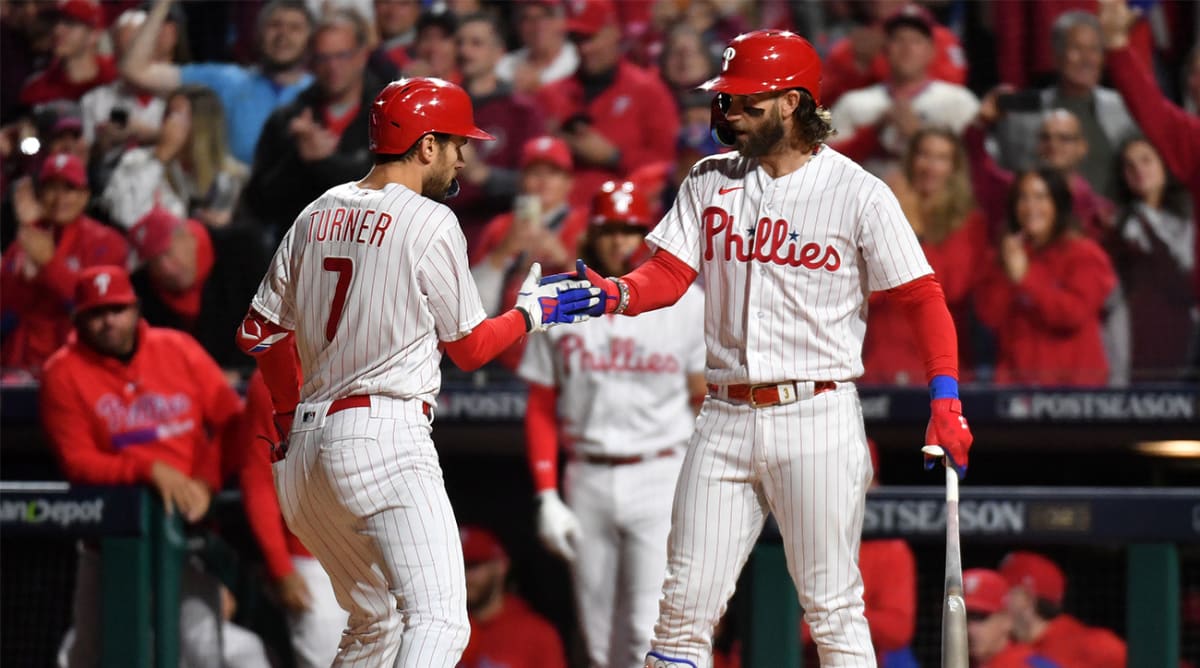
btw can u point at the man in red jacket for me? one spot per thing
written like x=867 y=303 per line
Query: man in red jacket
x=123 y=403
x=989 y=624
x=614 y=115
x=38 y=272
x=505 y=631
x=77 y=66
x=1035 y=597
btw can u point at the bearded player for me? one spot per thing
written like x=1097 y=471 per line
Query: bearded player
x=620 y=474
x=368 y=286
x=789 y=238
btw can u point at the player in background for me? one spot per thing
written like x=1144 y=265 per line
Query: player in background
x=620 y=476
x=368 y=287
x=989 y=624
x=789 y=237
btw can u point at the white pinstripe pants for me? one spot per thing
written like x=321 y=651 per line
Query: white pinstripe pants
x=363 y=491
x=807 y=463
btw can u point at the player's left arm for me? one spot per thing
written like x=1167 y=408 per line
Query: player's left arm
x=896 y=263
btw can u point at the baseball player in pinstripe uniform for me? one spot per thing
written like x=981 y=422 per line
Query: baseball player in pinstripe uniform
x=368 y=286
x=789 y=237
x=620 y=475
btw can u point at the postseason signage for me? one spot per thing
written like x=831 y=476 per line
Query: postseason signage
x=55 y=509
x=1048 y=515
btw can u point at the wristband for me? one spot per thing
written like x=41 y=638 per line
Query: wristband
x=943 y=387
x=622 y=294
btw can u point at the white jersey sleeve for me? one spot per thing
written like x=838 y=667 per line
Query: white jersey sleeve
x=890 y=247
x=678 y=233
x=444 y=277
x=276 y=298
x=537 y=362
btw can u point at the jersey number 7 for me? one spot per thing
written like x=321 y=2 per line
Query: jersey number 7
x=344 y=267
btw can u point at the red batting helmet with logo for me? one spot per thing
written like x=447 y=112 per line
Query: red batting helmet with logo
x=767 y=60
x=408 y=109
x=620 y=202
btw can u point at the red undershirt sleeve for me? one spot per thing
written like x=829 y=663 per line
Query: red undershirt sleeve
x=541 y=436
x=925 y=304
x=488 y=339
x=657 y=283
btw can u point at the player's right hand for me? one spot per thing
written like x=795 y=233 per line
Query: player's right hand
x=293 y=592
x=558 y=528
x=607 y=287
x=948 y=436
x=178 y=491
x=541 y=301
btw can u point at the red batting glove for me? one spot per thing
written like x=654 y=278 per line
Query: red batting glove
x=947 y=435
x=283 y=427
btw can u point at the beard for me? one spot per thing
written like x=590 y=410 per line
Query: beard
x=440 y=187
x=761 y=142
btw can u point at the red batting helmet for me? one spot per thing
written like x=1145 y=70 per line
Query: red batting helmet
x=620 y=202
x=408 y=109
x=766 y=60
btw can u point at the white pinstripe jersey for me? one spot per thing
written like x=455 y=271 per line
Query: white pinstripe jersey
x=371 y=280
x=787 y=263
x=623 y=381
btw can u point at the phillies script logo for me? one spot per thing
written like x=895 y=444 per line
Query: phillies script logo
x=622 y=355
x=768 y=241
x=146 y=410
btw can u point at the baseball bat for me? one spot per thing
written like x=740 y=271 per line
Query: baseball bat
x=954 y=609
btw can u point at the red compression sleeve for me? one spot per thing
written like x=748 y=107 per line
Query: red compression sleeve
x=489 y=338
x=925 y=305
x=658 y=282
x=274 y=348
x=541 y=435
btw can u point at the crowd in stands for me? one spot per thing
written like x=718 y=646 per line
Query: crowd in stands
x=1047 y=154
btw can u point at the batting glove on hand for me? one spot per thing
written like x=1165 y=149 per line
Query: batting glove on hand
x=558 y=527
x=947 y=437
x=541 y=303
x=607 y=288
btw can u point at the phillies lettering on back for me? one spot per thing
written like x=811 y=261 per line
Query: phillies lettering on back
x=363 y=263
x=783 y=261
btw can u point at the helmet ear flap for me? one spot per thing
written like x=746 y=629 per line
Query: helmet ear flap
x=721 y=130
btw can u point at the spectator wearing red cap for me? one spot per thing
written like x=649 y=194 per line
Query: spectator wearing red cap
x=1035 y=599
x=989 y=623
x=176 y=257
x=909 y=99
x=505 y=631
x=614 y=115
x=857 y=60
x=542 y=227
x=55 y=241
x=547 y=55
x=77 y=66
x=124 y=403
x=490 y=180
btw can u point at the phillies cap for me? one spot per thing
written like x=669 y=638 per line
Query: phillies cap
x=984 y=590
x=588 y=17
x=912 y=15
x=480 y=545
x=151 y=235
x=547 y=149
x=103 y=285
x=80 y=11
x=1036 y=573
x=64 y=167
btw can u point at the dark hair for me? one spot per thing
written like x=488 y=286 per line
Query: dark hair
x=1060 y=194
x=1175 y=198
x=1047 y=609
x=410 y=153
x=273 y=6
x=813 y=124
x=444 y=19
x=488 y=20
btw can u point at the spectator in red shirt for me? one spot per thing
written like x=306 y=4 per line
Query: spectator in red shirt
x=490 y=180
x=55 y=241
x=123 y=403
x=1061 y=146
x=1035 y=598
x=315 y=620
x=685 y=62
x=77 y=66
x=1045 y=289
x=176 y=257
x=857 y=60
x=542 y=227
x=434 y=52
x=396 y=22
x=935 y=194
x=989 y=623
x=614 y=115
x=546 y=55
x=505 y=631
